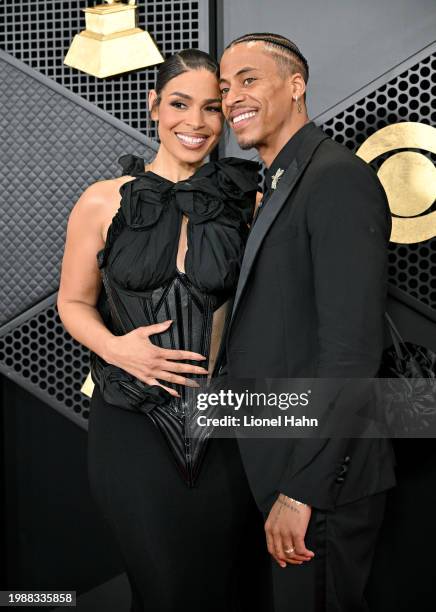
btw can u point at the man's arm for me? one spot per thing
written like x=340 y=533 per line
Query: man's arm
x=349 y=225
x=348 y=221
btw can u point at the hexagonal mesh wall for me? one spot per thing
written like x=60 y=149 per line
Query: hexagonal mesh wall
x=39 y=33
x=38 y=353
x=409 y=97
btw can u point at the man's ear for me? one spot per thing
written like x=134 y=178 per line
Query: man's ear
x=153 y=104
x=298 y=86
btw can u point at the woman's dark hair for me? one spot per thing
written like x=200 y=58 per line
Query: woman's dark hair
x=183 y=61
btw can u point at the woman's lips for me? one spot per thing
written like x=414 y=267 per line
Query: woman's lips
x=190 y=141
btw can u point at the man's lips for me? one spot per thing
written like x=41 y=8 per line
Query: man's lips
x=240 y=118
x=192 y=141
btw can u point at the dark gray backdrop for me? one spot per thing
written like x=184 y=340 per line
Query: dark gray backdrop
x=348 y=43
x=52 y=530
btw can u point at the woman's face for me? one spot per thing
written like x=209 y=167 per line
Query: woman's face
x=189 y=115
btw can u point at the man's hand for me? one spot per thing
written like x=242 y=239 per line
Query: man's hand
x=285 y=530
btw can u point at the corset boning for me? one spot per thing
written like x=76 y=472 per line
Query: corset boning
x=142 y=285
x=192 y=314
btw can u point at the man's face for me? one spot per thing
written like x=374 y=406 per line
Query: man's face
x=256 y=98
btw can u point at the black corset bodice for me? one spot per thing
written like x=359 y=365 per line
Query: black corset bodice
x=142 y=284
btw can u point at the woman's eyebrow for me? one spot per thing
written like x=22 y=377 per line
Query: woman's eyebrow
x=179 y=94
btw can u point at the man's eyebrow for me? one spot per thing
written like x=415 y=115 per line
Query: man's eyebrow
x=180 y=94
x=242 y=71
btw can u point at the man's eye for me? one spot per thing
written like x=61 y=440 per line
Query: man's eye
x=249 y=80
x=178 y=104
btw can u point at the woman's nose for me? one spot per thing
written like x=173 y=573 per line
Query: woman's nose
x=195 y=119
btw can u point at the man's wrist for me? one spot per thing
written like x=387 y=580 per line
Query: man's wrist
x=291 y=500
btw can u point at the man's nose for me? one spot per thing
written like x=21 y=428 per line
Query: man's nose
x=234 y=96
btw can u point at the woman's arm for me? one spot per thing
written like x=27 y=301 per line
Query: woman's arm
x=79 y=289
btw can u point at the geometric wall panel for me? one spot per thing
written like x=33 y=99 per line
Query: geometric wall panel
x=38 y=353
x=39 y=33
x=53 y=145
x=409 y=96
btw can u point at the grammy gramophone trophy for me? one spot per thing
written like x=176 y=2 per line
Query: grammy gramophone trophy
x=112 y=43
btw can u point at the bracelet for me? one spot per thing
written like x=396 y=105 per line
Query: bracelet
x=298 y=503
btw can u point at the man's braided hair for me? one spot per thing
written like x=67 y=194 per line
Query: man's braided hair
x=288 y=55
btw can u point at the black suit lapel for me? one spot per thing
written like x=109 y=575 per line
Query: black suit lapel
x=285 y=187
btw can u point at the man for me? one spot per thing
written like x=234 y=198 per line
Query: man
x=310 y=303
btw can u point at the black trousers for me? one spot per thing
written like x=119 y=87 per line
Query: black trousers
x=334 y=581
x=184 y=549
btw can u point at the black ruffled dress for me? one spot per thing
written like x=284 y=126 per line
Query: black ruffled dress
x=143 y=285
x=184 y=547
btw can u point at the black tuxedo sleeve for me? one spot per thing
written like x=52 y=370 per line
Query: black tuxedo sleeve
x=348 y=221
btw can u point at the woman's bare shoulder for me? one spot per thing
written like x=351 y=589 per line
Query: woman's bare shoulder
x=100 y=200
x=101 y=192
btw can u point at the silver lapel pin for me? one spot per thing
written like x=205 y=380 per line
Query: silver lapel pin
x=276 y=177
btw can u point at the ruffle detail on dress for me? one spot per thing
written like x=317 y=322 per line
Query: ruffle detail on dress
x=237 y=180
x=143 y=201
x=132 y=164
x=225 y=186
x=117 y=225
x=124 y=390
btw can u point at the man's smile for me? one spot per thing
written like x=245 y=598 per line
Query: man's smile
x=239 y=118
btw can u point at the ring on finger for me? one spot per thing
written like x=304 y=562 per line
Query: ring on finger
x=289 y=551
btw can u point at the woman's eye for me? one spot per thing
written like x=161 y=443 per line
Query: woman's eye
x=178 y=104
x=224 y=91
x=214 y=109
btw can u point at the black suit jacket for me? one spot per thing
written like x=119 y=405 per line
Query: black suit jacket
x=310 y=303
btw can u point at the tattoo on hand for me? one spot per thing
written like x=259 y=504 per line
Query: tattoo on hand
x=285 y=501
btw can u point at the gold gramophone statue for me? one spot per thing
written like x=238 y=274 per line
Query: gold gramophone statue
x=112 y=43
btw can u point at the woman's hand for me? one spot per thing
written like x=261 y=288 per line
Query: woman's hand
x=136 y=354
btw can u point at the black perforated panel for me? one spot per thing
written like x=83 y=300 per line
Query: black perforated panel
x=41 y=355
x=409 y=97
x=39 y=33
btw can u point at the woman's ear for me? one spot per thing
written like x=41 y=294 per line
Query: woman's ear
x=153 y=104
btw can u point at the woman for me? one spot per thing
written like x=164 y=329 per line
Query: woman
x=168 y=253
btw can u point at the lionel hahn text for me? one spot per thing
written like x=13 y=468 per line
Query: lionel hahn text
x=251 y=421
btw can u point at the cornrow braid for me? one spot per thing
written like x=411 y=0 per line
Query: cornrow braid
x=278 y=41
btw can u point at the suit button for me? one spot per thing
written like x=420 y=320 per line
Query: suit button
x=347 y=459
x=340 y=479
